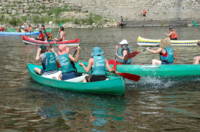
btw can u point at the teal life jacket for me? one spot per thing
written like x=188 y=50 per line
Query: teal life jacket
x=49 y=62
x=170 y=55
x=98 y=67
x=120 y=53
x=65 y=63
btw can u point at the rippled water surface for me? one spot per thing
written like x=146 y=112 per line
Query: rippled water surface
x=151 y=105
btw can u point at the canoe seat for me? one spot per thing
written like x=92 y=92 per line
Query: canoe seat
x=78 y=79
x=54 y=75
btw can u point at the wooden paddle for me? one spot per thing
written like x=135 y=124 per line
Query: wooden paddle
x=129 y=76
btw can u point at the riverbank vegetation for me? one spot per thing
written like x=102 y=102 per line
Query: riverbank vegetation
x=56 y=15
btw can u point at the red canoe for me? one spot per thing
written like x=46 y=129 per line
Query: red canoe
x=33 y=41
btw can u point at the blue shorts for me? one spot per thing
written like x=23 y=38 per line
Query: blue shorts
x=69 y=75
x=166 y=62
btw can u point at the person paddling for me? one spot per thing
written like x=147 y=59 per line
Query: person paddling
x=121 y=51
x=165 y=51
x=47 y=56
x=97 y=64
x=66 y=62
x=62 y=34
x=172 y=34
x=41 y=36
x=196 y=58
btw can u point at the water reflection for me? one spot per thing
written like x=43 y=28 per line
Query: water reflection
x=154 y=104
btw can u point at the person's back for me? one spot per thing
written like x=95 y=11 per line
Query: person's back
x=98 y=67
x=49 y=61
x=66 y=62
x=97 y=64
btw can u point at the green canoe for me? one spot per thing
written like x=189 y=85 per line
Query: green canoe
x=174 y=70
x=114 y=85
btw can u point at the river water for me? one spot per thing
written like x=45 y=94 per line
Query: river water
x=151 y=105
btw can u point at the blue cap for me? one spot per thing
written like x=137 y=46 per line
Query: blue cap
x=97 y=51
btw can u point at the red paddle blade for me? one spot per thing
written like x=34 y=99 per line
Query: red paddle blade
x=129 y=76
x=125 y=75
x=130 y=55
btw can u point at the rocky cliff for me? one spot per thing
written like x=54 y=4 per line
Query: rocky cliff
x=131 y=10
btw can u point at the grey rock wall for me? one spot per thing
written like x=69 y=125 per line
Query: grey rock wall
x=129 y=9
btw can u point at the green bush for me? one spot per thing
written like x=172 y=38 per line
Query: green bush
x=14 y=21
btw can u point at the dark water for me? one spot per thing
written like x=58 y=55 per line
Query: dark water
x=152 y=105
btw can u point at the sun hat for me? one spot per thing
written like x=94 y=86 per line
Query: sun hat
x=62 y=49
x=165 y=42
x=124 y=41
x=97 y=51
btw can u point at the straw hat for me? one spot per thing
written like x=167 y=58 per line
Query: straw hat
x=165 y=42
x=97 y=51
x=124 y=41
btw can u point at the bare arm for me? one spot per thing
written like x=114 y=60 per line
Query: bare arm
x=37 y=58
x=89 y=66
x=75 y=59
x=108 y=66
x=154 y=51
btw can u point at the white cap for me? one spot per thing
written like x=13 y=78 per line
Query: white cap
x=124 y=41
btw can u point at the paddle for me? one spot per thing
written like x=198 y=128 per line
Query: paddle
x=130 y=55
x=129 y=76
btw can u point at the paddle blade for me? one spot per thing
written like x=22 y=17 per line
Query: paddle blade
x=129 y=76
x=130 y=55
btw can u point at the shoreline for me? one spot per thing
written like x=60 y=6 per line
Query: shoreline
x=128 y=24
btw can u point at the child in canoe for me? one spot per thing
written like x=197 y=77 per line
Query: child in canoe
x=165 y=51
x=97 y=64
x=66 y=62
x=122 y=50
x=47 y=56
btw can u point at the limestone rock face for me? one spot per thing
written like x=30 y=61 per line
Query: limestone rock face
x=129 y=9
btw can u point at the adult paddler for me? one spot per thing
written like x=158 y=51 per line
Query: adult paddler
x=66 y=62
x=121 y=51
x=47 y=56
x=165 y=51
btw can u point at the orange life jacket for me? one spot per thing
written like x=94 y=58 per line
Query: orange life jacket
x=173 y=35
